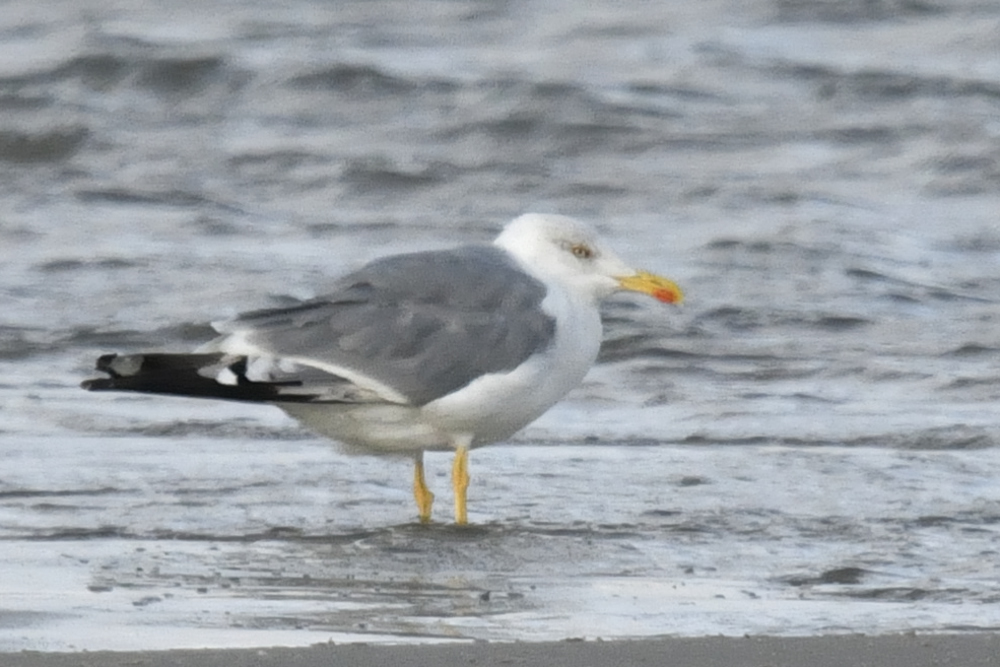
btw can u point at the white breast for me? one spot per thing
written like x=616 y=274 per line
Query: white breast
x=495 y=406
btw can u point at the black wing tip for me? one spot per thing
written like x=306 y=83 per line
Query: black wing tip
x=181 y=375
x=99 y=384
x=104 y=362
x=103 y=365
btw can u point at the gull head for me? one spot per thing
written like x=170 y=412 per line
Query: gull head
x=560 y=249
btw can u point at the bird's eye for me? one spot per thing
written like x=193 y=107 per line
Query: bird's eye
x=582 y=251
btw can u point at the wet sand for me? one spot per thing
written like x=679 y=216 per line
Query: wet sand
x=855 y=650
x=150 y=543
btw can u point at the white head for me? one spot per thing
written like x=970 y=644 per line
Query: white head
x=559 y=248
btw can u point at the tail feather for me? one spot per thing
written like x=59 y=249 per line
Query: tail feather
x=213 y=375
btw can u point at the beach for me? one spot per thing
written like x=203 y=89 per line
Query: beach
x=889 y=651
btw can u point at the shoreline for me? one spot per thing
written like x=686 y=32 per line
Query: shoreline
x=906 y=650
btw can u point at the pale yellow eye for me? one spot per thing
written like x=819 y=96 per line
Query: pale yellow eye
x=582 y=251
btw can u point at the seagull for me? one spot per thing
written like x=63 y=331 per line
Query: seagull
x=442 y=350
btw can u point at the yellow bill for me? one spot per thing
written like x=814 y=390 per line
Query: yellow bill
x=658 y=287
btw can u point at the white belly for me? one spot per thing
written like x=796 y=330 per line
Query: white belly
x=488 y=409
x=378 y=427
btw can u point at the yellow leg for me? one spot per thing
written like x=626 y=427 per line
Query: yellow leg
x=421 y=493
x=460 y=483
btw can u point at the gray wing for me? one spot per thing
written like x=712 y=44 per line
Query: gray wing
x=424 y=324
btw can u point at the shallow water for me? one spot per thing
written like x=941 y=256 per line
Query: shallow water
x=809 y=445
